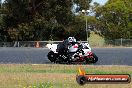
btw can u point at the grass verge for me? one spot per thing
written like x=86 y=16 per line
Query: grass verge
x=55 y=76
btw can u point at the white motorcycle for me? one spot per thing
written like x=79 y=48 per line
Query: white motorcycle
x=75 y=53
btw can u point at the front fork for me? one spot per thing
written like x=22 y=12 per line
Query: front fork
x=90 y=55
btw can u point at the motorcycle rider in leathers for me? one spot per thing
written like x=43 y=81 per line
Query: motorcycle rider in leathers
x=62 y=48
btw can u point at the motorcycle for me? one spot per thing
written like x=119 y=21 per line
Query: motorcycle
x=75 y=53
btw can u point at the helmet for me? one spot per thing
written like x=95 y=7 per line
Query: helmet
x=71 y=39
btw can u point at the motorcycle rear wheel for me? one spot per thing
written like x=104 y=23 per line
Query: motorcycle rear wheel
x=52 y=56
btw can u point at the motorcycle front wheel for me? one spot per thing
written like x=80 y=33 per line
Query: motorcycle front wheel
x=95 y=58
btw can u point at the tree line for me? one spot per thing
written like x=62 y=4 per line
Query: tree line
x=31 y=20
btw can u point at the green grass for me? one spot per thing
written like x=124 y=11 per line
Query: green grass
x=29 y=68
x=55 y=75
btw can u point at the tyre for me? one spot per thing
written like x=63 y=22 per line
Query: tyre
x=81 y=80
x=51 y=56
x=95 y=58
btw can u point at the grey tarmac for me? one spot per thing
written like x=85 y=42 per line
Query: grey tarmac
x=107 y=56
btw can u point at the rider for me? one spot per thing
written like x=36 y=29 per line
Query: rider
x=62 y=47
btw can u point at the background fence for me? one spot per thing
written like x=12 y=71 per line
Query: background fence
x=107 y=43
x=111 y=43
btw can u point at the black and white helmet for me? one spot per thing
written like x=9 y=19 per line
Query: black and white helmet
x=71 y=39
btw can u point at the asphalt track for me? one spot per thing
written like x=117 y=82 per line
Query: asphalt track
x=107 y=56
